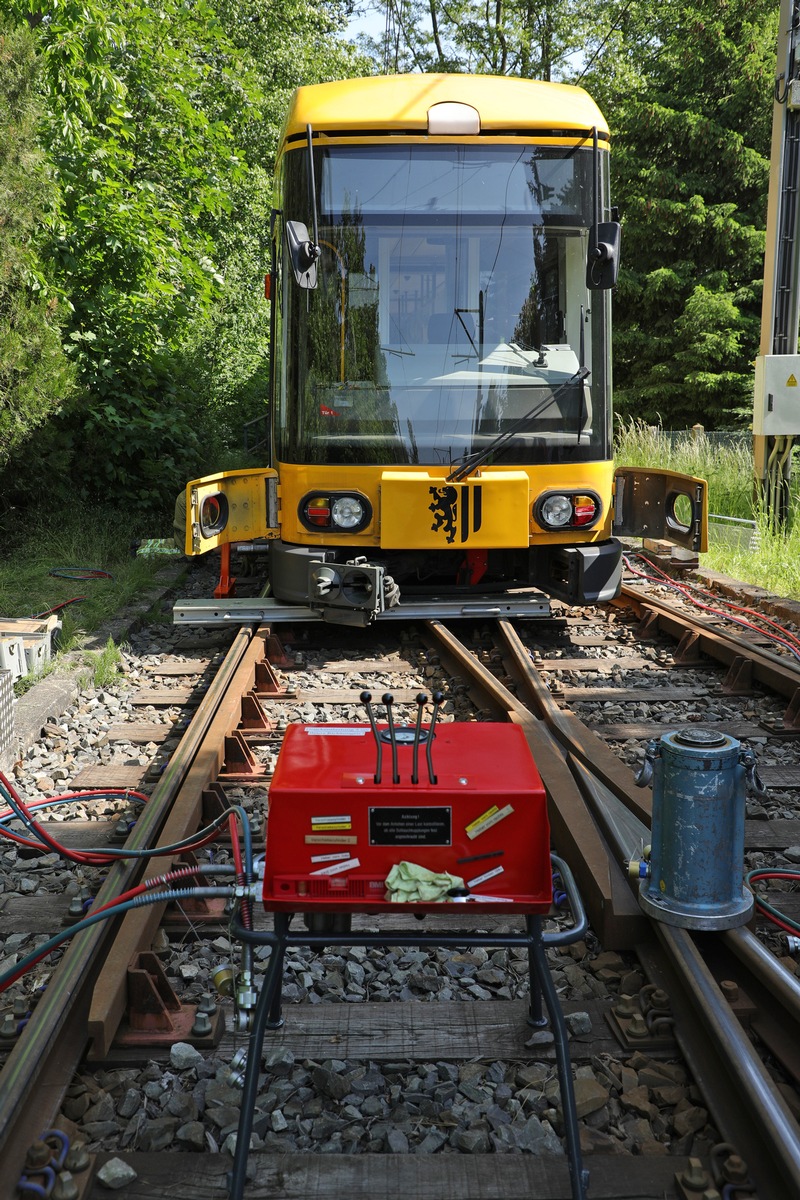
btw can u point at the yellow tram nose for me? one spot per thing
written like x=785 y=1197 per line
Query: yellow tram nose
x=422 y=509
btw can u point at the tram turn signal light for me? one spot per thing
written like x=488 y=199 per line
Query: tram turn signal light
x=567 y=510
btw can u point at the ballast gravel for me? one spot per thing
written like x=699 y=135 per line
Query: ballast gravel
x=628 y=1103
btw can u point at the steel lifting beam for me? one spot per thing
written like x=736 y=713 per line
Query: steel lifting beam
x=259 y=609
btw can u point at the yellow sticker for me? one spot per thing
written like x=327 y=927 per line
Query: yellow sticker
x=791 y=381
x=483 y=817
x=487 y=821
x=322 y=839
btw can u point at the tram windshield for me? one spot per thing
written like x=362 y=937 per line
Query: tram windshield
x=450 y=315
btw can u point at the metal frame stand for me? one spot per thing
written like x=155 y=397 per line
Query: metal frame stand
x=267 y=1014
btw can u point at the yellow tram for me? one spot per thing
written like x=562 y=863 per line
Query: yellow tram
x=443 y=257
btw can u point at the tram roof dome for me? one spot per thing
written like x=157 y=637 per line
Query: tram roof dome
x=400 y=104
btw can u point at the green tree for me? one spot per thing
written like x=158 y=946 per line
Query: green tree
x=688 y=91
x=35 y=376
x=227 y=352
x=134 y=94
x=505 y=37
x=152 y=117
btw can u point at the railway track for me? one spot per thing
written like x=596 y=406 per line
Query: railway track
x=725 y=1011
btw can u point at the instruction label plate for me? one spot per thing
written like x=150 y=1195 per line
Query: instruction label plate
x=410 y=826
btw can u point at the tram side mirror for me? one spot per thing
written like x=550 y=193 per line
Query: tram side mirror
x=303 y=254
x=602 y=266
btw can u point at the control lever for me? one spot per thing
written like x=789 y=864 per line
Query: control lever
x=388 y=699
x=365 y=698
x=437 y=698
x=422 y=700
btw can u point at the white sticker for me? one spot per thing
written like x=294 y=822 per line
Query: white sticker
x=345 y=820
x=344 y=854
x=486 y=875
x=333 y=731
x=335 y=868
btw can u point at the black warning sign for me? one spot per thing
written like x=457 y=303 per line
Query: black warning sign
x=410 y=826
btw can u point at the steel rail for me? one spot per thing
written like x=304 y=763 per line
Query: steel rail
x=772 y=670
x=763 y=994
x=764 y=966
x=747 y=1106
x=43 y=1060
x=570 y=731
x=613 y=911
x=752 y=1113
x=138 y=926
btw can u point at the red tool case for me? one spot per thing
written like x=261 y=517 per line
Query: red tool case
x=334 y=834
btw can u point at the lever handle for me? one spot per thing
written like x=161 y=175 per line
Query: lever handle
x=365 y=698
x=422 y=700
x=388 y=699
x=437 y=698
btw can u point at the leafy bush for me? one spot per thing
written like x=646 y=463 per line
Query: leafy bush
x=35 y=375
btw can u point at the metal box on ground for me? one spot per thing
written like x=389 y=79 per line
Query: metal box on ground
x=478 y=811
x=36 y=651
x=12 y=656
x=26 y=643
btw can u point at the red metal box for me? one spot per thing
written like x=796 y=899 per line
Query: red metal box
x=333 y=834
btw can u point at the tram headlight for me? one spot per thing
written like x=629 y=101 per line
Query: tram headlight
x=567 y=510
x=556 y=511
x=347 y=512
x=339 y=512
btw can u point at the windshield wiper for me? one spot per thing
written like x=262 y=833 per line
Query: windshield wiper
x=471 y=462
x=459 y=312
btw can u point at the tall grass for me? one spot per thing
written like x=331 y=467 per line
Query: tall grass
x=79 y=537
x=763 y=556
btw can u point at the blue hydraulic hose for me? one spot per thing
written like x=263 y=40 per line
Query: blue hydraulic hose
x=137 y=902
x=247 y=837
x=57 y=801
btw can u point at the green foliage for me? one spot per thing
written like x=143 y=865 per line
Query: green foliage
x=512 y=37
x=727 y=465
x=34 y=373
x=286 y=45
x=105 y=665
x=145 y=163
x=690 y=102
x=152 y=115
x=759 y=554
x=225 y=355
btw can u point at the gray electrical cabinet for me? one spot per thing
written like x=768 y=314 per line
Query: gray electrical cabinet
x=776 y=407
